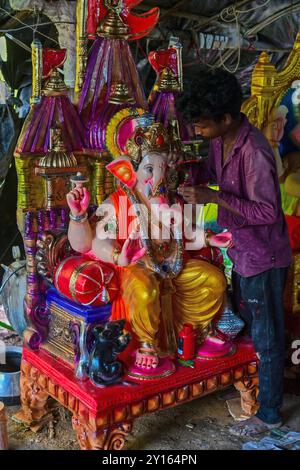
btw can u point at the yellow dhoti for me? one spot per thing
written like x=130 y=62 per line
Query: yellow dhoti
x=196 y=297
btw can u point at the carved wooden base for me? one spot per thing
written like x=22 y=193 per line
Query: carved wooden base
x=103 y=439
x=35 y=413
x=34 y=395
x=3 y=428
x=249 y=389
x=103 y=416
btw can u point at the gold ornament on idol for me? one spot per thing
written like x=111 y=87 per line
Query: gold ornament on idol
x=154 y=138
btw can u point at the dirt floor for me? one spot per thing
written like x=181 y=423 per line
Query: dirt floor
x=198 y=425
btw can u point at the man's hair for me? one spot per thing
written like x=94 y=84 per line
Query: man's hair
x=210 y=96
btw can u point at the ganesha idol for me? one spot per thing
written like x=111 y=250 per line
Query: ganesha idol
x=146 y=239
x=283 y=132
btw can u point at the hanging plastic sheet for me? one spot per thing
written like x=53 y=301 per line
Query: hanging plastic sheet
x=202 y=25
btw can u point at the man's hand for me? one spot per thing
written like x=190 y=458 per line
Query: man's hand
x=173 y=158
x=198 y=194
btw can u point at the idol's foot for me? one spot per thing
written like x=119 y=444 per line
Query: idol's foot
x=146 y=357
x=252 y=427
x=214 y=348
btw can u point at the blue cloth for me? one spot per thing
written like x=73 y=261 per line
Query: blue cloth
x=259 y=301
x=286 y=143
x=88 y=313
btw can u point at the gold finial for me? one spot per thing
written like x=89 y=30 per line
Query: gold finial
x=120 y=94
x=168 y=81
x=57 y=156
x=55 y=167
x=112 y=25
x=263 y=75
x=55 y=84
x=262 y=86
x=264 y=58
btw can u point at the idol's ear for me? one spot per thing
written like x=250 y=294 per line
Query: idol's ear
x=123 y=170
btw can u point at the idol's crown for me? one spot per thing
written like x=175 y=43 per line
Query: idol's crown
x=147 y=139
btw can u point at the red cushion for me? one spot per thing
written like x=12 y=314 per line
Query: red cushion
x=86 y=281
x=293 y=223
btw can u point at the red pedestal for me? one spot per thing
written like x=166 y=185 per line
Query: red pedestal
x=102 y=417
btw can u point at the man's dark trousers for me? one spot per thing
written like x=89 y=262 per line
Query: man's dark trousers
x=259 y=300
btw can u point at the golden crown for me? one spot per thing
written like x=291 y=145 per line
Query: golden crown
x=147 y=139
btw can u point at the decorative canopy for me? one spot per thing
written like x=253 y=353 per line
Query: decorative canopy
x=55 y=110
x=112 y=81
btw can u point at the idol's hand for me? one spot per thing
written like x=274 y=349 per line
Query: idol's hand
x=132 y=249
x=277 y=129
x=78 y=200
x=221 y=240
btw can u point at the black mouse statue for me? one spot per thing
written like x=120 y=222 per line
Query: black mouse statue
x=109 y=341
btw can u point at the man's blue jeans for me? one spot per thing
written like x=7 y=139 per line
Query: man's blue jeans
x=259 y=300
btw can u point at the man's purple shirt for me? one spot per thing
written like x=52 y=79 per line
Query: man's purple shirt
x=248 y=183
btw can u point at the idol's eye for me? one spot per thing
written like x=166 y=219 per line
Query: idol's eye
x=149 y=169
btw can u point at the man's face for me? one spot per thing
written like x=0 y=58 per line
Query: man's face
x=151 y=174
x=209 y=128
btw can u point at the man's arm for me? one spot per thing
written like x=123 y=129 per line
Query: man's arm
x=261 y=208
